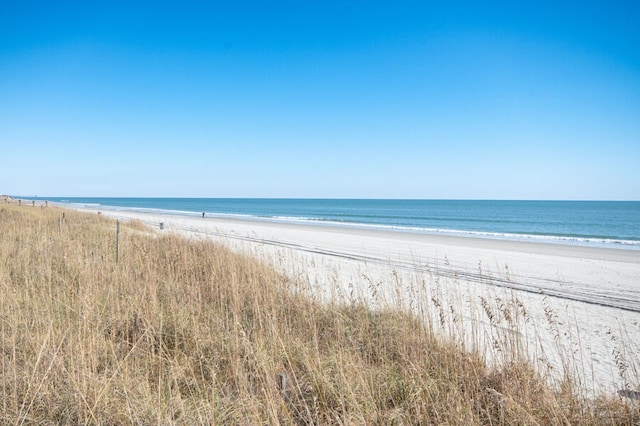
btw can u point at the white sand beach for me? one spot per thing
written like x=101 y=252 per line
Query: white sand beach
x=574 y=310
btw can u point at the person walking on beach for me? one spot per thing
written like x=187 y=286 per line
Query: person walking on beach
x=203 y=215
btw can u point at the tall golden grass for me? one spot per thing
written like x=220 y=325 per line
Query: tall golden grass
x=187 y=332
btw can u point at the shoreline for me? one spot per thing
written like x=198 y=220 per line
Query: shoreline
x=617 y=253
x=551 y=239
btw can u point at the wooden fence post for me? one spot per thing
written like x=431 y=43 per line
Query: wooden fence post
x=283 y=384
x=117 y=238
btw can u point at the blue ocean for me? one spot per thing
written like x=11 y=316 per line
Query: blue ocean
x=603 y=223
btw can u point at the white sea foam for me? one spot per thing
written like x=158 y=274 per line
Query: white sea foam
x=560 y=239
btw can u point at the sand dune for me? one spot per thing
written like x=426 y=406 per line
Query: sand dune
x=575 y=300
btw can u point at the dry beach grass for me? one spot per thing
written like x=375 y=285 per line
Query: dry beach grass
x=180 y=331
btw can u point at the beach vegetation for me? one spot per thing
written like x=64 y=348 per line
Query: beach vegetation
x=184 y=331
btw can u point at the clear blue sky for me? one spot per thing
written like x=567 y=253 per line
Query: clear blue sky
x=499 y=100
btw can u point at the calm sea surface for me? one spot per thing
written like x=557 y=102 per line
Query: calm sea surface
x=608 y=223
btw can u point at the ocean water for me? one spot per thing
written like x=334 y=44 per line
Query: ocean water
x=603 y=223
